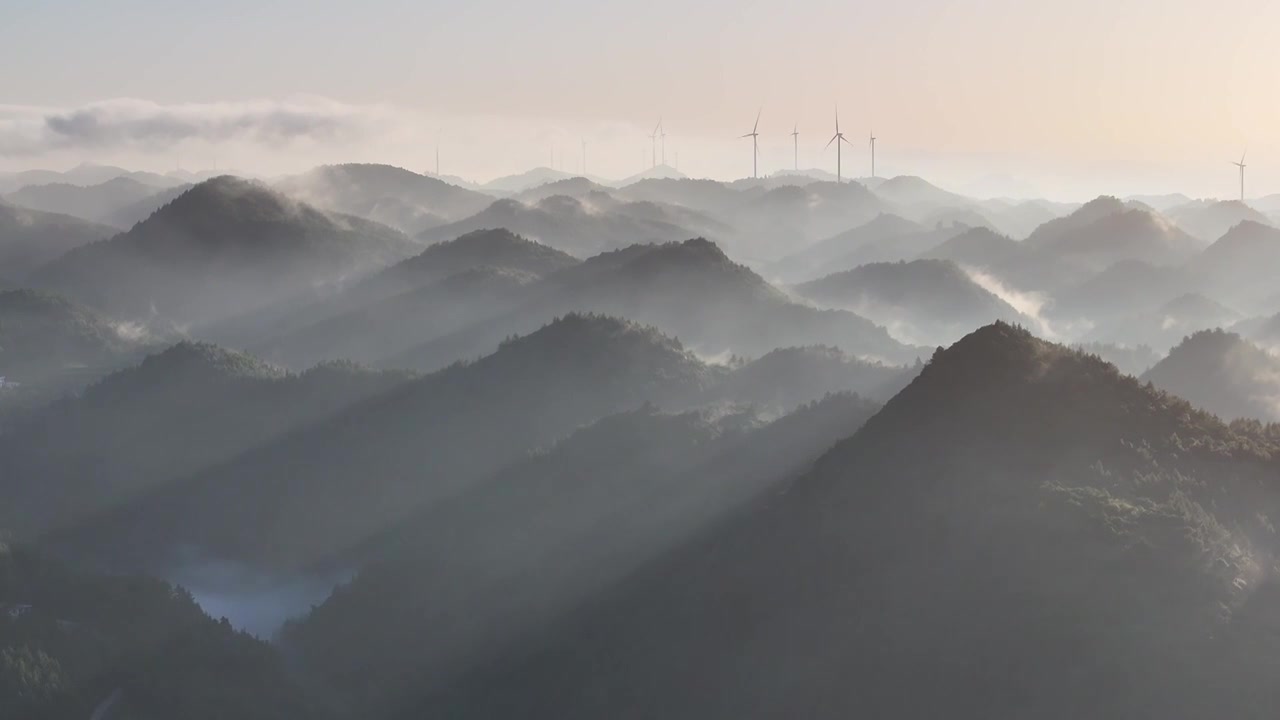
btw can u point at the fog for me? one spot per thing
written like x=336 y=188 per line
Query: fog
x=579 y=447
x=255 y=601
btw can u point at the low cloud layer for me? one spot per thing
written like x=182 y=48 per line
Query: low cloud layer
x=142 y=124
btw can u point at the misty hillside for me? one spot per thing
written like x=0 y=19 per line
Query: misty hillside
x=1127 y=287
x=1209 y=220
x=1097 y=209
x=329 y=486
x=126 y=216
x=393 y=196
x=1129 y=359
x=691 y=290
x=302 y=333
x=1013 y=262
x=1240 y=266
x=518 y=183
x=180 y=411
x=814 y=259
x=1103 y=232
x=575 y=187
x=1223 y=373
x=1019 y=219
x=787 y=377
x=83 y=175
x=31 y=238
x=1166 y=325
x=572 y=225
x=497 y=248
x=895 y=249
x=715 y=198
x=224 y=247
x=949 y=541
x=923 y=301
x=909 y=190
x=74 y=641
x=50 y=345
x=377 y=330
x=1265 y=331
x=774 y=223
x=524 y=547
x=95 y=203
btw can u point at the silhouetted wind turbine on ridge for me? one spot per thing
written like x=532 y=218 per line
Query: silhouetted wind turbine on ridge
x=873 y=153
x=795 y=137
x=837 y=139
x=1242 y=166
x=662 y=133
x=653 y=140
x=755 y=145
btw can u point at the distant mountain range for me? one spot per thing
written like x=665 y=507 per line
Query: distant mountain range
x=1223 y=373
x=691 y=290
x=1210 y=220
x=132 y=432
x=602 y=502
x=574 y=225
x=32 y=238
x=50 y=346
x=225 y=246
x=827 y=599
x=390 y=195
x=96 y=203
x=922 y=301
x=338 y=481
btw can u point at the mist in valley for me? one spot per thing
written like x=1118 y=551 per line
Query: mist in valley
x=958 y=397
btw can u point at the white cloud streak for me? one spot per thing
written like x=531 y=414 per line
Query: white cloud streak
x=142 y=124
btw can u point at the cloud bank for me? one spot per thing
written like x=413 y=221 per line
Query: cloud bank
x=142 y=124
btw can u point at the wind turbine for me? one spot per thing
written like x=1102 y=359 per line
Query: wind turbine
x=662 y=133
x=795 y=137
x=1242 y=166
x=873 y=153
x=755 y=145
x=837 y=139
x=653 y=139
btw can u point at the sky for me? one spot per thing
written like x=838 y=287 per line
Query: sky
x=1059 y=98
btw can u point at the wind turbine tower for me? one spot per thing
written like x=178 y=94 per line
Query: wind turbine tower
x=795 y=137
x=873 y=153
x=653 y=141
x=755 y=146
x=1242 y=166
x=662 y=133
x=837 y=139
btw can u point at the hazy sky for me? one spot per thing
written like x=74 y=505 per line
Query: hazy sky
x=1071 y=97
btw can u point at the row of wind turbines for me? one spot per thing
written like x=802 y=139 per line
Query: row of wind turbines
x=838 y=138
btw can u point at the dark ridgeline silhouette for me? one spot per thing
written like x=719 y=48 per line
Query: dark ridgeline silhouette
x=134 y=431
x=562 y=525
x=1016 y=512
x=562 y=510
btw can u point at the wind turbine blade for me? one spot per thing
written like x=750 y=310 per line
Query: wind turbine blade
x=833 y=139
x=757 y=125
